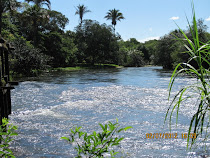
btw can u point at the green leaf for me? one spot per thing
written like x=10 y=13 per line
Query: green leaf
x=72 y=131
x=119 y=140
x=8 y=150
x=103 y=128
x=128 y=127
x=80 y=134
x=120 y=130
x=13 y=134
x=115 y=144
x=65 y=138
x=94 y=133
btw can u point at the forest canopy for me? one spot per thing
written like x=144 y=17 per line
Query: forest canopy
x=41 y=40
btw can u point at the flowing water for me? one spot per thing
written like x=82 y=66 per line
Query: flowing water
x=45 y=108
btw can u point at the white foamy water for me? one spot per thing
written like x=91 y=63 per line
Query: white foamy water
x=45 y=110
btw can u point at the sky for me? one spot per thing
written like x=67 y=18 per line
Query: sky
x=144 y=19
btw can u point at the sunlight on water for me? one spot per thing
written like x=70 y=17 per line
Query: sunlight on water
x=45 y=111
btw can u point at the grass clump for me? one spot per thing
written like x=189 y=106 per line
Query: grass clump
x=197 y=67
x=67 y=68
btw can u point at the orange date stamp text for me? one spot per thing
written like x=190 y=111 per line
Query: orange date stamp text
x=170 y=135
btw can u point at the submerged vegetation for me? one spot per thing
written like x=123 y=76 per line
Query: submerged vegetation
x=197 y=67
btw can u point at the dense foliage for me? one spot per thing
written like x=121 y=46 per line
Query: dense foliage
x=45 y=43
x=99 y=44
x=7 y=131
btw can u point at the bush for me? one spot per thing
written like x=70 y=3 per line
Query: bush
x=26 y=58
x=6 y=132
x=97 y=144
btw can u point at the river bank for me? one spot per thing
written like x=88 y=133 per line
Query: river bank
x=85 y=66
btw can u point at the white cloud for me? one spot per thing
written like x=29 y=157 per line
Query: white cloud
x=149 y=38
x=174 y=18
x=208 y=19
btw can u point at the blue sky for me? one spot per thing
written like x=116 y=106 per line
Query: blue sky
x=144 y=19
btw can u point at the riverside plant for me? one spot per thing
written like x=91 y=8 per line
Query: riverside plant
x=200 y=54
x=97 y=144
x=7 y=131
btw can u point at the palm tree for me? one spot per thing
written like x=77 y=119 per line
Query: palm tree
x=39 y=3
x=81 y=10
x=36 y=12
x=114 y=15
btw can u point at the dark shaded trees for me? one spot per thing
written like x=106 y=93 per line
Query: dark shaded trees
x=40 y=3
x=31 y=21
x=61 y=48
x=165 y=48
x=37 y=15
x=56 y=21
x=131 y=53
x=27 y=59
x=202 y=30
x=7 y=5
x=99 y=44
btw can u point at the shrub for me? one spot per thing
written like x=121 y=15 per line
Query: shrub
x=97 y=144
x=6 y=132
x=27 y=58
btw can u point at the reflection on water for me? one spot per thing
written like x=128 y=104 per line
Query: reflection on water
x=46 y=108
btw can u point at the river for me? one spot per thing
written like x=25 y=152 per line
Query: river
x=46 y=107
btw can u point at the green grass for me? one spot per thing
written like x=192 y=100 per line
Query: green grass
x=107 y=66
x=199 y=53
x=86 y=66
x=66 y=68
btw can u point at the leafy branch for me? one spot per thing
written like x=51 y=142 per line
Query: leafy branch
x=6 y=132
x=97 y=144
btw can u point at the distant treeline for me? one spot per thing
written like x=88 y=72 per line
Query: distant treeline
x=41 y=42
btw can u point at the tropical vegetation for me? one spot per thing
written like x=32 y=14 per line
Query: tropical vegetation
x=97 y=144
x=197 y=66
x=7 y=131
x=81 y=10
x=39 y=35
x=41 y=42
x=114 y=15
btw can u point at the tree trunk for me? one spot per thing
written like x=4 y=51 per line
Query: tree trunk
x=35 y=34
x=1 y=12
x=93 y=60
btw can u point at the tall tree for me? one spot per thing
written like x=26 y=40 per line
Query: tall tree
x=55 y=21
x=100 y=44
x=31 y=19
x=81 y=10
x=114 y=15
x=35 y=11
x=7 y=5
x=40 y=3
